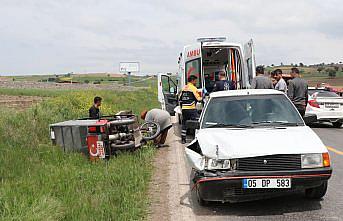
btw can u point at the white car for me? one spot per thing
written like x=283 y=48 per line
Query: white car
x=253 y=144
x=326 y=105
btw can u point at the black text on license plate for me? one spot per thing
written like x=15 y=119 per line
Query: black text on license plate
x=267 y=183
x=332 y=106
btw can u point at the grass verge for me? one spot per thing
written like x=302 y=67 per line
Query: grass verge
x=40 y=182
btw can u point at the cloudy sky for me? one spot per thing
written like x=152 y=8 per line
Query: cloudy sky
x=56 y=36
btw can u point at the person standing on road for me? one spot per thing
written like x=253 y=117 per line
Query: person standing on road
x=223 y=84
x=261 y=81
x=281 y=83
x=94 y=111
x=298 y=91
x=188 y=99
x=162 y=118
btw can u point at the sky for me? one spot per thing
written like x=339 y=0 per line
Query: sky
x=83 y=36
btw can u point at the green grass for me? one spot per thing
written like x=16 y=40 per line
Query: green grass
x=82 y=78
x=40 y=182
x=33 y=92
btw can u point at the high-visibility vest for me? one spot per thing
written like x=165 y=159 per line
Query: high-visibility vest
x=187 y=100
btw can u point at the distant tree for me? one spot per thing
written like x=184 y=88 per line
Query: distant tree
x=272 y=65
x=336 y=68
x=332 y=73
x=295 y=65
x=291 y=64
x=108 y=75
x=87 y=81
x=301 y=64
x=281 y=64
x=319 y=69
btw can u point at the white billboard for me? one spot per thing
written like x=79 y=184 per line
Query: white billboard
x=125 y=67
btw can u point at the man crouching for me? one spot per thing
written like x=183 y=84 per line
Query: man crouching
x=162 y=118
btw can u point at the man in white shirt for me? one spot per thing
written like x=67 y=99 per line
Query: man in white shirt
x=281 y=83
x=162 y=118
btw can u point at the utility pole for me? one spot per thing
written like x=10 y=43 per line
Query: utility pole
x=129 y=77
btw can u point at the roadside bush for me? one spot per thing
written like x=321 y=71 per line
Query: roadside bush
x=331 y=72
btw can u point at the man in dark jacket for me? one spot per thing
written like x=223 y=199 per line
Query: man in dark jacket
x=298 y=91
x=94 y=111
x=261 y=81
x=222 y=84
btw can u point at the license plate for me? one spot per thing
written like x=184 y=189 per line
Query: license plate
x=283 y=183
x=332 y=106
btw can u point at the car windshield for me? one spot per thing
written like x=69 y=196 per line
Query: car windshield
x=312 y=91
x=325 y=94
x=250 y=111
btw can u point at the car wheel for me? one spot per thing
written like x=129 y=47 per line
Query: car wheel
x=317 y=192
x=201 y=201
x=337 y=124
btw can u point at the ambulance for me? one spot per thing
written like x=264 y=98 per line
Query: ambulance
x=206 y=59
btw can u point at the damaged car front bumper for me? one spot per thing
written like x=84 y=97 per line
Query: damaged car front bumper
x=228 y=186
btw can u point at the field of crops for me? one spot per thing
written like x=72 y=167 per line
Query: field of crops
x=40 y=182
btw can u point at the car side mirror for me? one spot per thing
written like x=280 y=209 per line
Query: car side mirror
x=310 y=118
x=193 y=124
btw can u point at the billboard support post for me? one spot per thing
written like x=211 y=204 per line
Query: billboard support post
x=129 y=68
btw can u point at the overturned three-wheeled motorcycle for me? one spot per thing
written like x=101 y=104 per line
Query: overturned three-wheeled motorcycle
x=104 y=137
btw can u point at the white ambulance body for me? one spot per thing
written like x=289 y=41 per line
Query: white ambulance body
x=206 y=59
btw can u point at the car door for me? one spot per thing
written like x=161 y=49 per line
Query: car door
x=250 y=64
x=167 y=93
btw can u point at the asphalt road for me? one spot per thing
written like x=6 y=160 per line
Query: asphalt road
x=294 y=207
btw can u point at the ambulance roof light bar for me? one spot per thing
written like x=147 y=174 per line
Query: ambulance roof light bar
x=218 y=39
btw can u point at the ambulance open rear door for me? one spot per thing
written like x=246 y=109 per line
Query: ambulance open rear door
x=167 y=93
x=250 y=64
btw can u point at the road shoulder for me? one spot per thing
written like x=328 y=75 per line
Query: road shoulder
x=170 y=189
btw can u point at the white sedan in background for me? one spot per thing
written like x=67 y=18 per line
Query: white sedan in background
x=326 y=105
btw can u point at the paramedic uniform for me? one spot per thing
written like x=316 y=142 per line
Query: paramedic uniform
x=188 y=99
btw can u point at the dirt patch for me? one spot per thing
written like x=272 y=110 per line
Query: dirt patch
x=337 y=82
x=159 y=187
x=18 y=102
x=62 y=86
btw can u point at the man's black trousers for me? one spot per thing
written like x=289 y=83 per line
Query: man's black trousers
x=187 y=114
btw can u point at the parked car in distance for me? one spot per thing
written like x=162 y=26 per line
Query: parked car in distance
x=253 y=144
x=326 y=105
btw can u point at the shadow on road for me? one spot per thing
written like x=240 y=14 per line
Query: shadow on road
x=274 y=206
x=323 y=125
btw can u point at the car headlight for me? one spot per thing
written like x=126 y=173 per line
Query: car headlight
x=213 y=164
x=313 y=160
